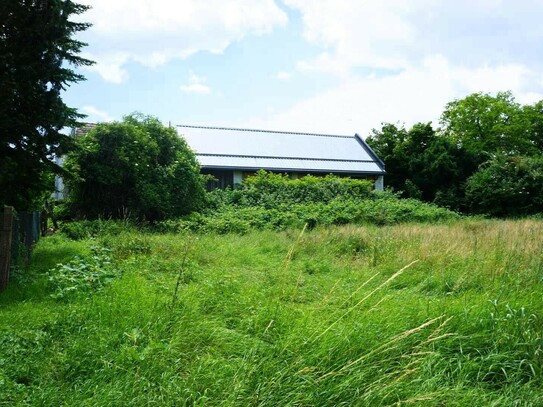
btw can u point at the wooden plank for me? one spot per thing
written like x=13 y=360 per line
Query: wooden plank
x=5 y=246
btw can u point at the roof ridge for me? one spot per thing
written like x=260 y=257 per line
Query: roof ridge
x=263 y=131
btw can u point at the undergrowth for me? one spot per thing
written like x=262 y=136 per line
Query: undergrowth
x=275 y=202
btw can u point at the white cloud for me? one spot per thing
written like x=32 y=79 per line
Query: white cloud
x=403 y=60
x=283 y=75
x=196 y=85
x=96 y=115
x=415 y=95
x=399 y=34
x=152 y=32
x=110 y=67
x=197 y=88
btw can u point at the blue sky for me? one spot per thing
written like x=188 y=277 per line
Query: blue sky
x=340 y=67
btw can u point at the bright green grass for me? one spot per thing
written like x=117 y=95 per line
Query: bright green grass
x=315 y=318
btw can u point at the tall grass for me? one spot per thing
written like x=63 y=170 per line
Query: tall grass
x=446 y=314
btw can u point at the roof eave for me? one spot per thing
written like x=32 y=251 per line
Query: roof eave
x=285 y=169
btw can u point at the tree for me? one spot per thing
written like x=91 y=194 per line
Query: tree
x=487 y=125
x=36 y=51
x=534 y=116
x=137 y=168
x=507 y=186
x=388 y=144
x=422 y=164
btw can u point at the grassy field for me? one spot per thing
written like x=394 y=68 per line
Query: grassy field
x=437 y=315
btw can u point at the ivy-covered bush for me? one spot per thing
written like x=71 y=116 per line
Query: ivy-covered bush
x=83 y=275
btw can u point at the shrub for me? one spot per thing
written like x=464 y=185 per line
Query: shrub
x=136 y=168
x=380 y=211
x=268 y=189
x=507 y=186
x=90 y=229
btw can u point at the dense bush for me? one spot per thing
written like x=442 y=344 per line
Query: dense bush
x=134 y=168
x=275 y=202
x=90 y=229
x=507 y=186
x=270 y=201
x=267 y=189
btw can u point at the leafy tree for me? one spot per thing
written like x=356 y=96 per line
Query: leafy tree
x=507 y=186
x=534 y=116
x=422 y=164
x=487 y=125
x=388 y=143
x=36 y=50
x=136 y=167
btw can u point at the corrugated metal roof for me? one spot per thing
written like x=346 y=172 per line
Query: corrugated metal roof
x=286 y=151
x=287 y=164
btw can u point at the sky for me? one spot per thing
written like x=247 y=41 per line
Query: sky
x=321 y=66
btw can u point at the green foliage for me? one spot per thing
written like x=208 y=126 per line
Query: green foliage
x=507 y=186
x=275 y=202
x=135 y=168
x=83 y=275
x=487 y=125
x=422 y=164
x=91 y=229
x=388 y=144
x=383 y=210
x=435 y=167
x=37 y=48
x=268 y=190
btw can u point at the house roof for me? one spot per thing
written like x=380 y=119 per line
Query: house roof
x=245 y=149
x=83 y=129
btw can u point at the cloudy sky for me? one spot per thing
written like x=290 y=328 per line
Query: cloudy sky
x=327 y=66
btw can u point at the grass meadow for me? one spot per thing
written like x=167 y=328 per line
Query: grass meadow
x=416 y=314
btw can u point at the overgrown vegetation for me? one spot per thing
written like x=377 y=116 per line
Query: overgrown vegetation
x=483 y=137
x=274 y=202
x=507 y=186
x=444 y=314
x=136 y=168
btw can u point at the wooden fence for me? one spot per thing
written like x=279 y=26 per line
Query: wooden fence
x=18 y=234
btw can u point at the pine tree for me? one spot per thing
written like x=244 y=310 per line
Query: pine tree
x=38 y=55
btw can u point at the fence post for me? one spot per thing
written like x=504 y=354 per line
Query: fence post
x=5 y=246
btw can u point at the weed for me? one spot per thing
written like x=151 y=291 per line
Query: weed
x=83 y=274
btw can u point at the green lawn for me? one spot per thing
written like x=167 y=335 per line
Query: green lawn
x=440 y=315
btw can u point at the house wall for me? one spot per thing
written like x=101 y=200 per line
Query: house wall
x=222 y=180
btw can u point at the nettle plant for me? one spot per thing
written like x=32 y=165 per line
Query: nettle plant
x=83 y=274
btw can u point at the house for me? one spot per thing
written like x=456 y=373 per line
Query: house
x=60 y=188
x=231 y=154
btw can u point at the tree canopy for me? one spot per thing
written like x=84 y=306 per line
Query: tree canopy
x=422 y=164
x=136 y=168
x=507 y=186
x=37 y=54
x=481 y=155
x=489 y=125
